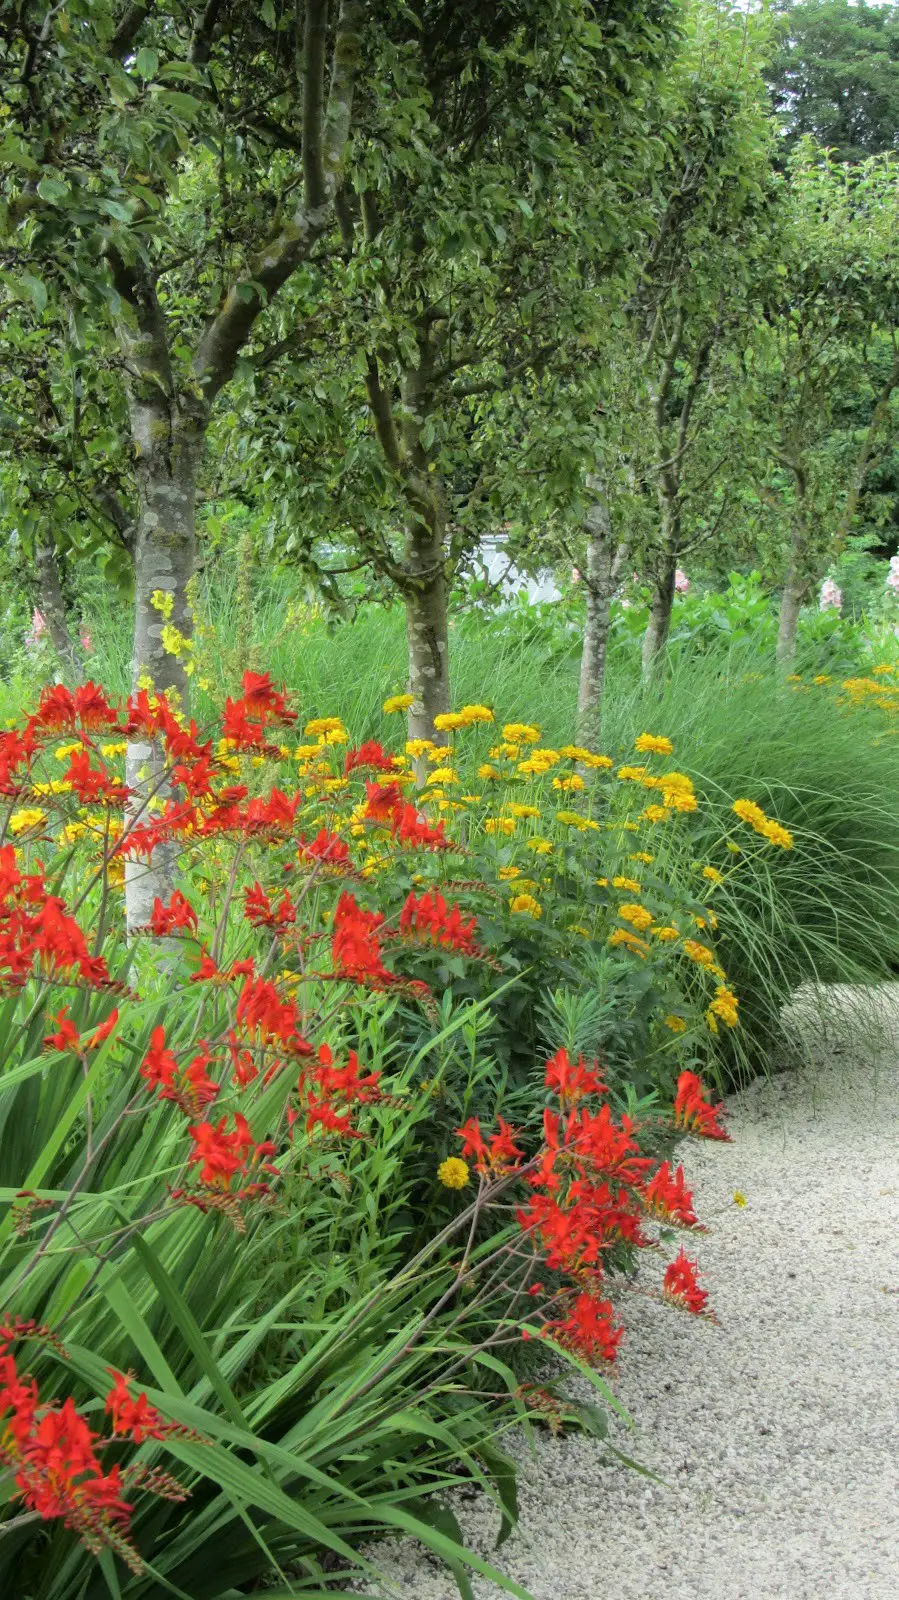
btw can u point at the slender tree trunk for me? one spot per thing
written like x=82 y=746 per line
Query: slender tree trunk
x=658 y=626
x=428 y=640
x=164 y=557
x=604 y=562
x=795 y=591
x=52 y=607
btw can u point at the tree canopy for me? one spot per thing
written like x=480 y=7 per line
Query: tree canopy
x=836 y=75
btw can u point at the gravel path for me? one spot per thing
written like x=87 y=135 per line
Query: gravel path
x=777 y=1432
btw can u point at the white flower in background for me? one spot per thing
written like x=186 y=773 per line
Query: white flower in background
x=831 y=597
x=681 y=582
x=893 y=577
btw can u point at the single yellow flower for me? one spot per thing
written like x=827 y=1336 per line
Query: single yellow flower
x=713 y=875
x=630 y=884
x=449 y=721
x=636 y=915
x=676 y=1024
x=508 y=873
x=739 y=1198
x=499 y=825
x=521 y=733
x=453 y=1173
x=652 y=744
x=27 y=820
x=526 y=905
x=397 y=702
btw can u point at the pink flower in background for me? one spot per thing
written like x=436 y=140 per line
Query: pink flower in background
x=36 y=631
x=87 y=643
x=893 y=576
x=831 y=597
x=681 y=582
x=575 y=575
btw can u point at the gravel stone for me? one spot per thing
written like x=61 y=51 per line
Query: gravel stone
x=776 y=1432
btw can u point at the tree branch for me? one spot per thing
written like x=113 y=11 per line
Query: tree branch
x=227 y=332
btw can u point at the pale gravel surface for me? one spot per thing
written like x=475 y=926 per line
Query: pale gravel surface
x=776 y=1431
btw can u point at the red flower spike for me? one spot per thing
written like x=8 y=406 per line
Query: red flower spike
x=668 y=1198
x=355 y=945
x=588 y=1329
x=571 y=1083
x=692 y=1111
x=680 y=1285
x=370 y=754
x=66 y=1036
x=137 y=1419
x=176 y=917
x=429 y=920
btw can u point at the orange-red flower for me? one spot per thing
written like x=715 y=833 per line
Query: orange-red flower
x=681 y=1285
x=692 y=1111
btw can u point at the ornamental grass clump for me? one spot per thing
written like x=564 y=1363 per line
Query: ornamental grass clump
x=243 y=1322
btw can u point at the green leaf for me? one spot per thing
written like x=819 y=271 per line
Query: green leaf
x=146 y=62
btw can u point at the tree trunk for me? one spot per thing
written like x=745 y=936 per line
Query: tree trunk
x=52 y=607
x=604 y=562
x=658 y=626
x=795 y=590
x=164 y=556
x=428 y=640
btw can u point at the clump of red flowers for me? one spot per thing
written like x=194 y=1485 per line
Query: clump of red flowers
x=429 y=920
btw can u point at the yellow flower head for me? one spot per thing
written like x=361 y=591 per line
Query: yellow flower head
x=521 y=733
x=655 y=814
x=442 y=775
x=163 y=601
x=540 y=847
x=667 y=933
x=526 y=905
x=449 y=721
x=397 y=702
x=524 y=811
x=499 y=825
x=700 y=953
x=724 y=1006
x=63 y=751
x=748 y=811
x=653 y=744
x=642 y=855
x=324 y=725
x=453 y=1173
x=27 y=820
x=474 y=714
x=439 y=753
x=631 y=774
x=508 y=873
x=630 y=884
x=775 y=834
x=569 y=784
x=486 y=772
x=416 y=747
x=676 y=1024
x=623 y=936
x=713 y=875
x=636 y=915
x=573 y=819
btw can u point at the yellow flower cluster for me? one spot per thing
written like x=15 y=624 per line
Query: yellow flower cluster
x=526 y=905
x=397 y=702
x=653 y=744
x=28 y=820
x=724 y=1006
x=755 y=817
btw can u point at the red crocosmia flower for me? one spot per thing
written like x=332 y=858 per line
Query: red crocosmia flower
x=92 y=709
x=258 y=909
x=667 y=1196
x=325 y=847
x=193 y=1089
x=692 y=1111
x=261 y=699
x=101 y=1034
x=355 y=945
x=430 y=920
x=277 y=813
x=502 y=1151
x=571 y=1083
x=370 y=754
x=66 y=1036
x=265 y=1017
x=196 y=776
x=159 y=1066
x=216 y=1152
x=93 y=783
x=681 y=1286
x=474 y=1143
x=55 y=710
x=383 y=801
x=412 y=829
x=588 y=1329
x=321 y=1113
x=179 y=915
x=245 y=1068
x=137 y=1419
x=50 y=1452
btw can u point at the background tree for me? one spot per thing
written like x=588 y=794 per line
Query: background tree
x=836 y=76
